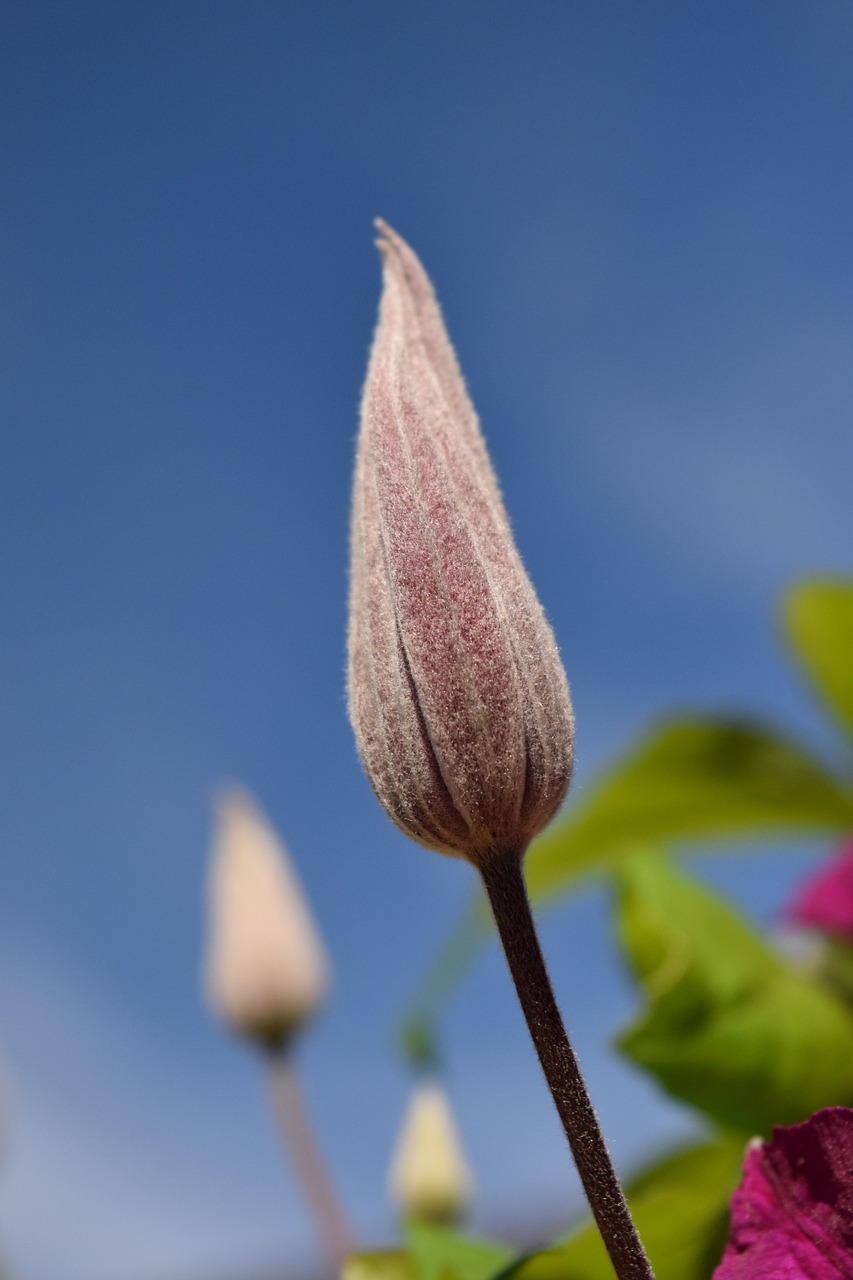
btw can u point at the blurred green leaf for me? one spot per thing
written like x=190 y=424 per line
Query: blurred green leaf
x=387 y=1264
x=712 y=1168
x=819 y=623
x=680 y=1207
x=440 y=1254
x=432 y=1253
x=728 y=1027
x=683 y=1234
x=689 y=780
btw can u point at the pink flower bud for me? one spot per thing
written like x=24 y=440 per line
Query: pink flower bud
x=825 y=900
x=457 y=695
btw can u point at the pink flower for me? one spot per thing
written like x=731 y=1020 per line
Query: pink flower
x=792 y=1216
x=457 y=695
x=825 y=900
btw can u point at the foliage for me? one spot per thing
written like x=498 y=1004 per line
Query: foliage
x=819 y=624
x=726 y=1024
x=380 y=1264
x=688 y=780
x=432 y=1253
x=679 y=1204
x=680 y=1208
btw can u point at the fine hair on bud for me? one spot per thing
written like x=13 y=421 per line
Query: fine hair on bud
x=266 y=972
x=457 y=694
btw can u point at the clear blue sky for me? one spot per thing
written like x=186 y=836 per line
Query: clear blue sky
x=638 y=220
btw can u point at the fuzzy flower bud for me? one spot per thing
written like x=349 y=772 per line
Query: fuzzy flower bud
x=457 y=695
x=266 y=972
x=430 y=1179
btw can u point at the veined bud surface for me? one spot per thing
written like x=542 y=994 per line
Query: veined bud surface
x=457 y=695
x=266 y=972
x=430 y=1179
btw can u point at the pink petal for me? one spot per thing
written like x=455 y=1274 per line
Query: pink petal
x=792 y=1216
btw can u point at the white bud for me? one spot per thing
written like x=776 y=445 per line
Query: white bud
x=430 y=1179
x=266 y=971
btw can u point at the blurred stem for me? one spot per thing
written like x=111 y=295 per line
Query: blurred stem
x=418 y=1028
x=504 y=881
x=308 y=1164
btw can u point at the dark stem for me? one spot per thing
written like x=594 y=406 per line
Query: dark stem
x=507 y=892
x=307 y=1162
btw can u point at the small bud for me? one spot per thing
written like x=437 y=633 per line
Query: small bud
x=430 y=1179
x=825 y=900
x=266 y=973
x=457 y=695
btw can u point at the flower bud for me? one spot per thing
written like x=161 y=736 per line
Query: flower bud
x=457 y=695
x=266 y=972
x=430 y=1179
x=825 y=900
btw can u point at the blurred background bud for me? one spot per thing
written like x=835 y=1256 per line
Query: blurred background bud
x=430 y=1179
x=266 y=971
x=825 y=900
x=457 y=695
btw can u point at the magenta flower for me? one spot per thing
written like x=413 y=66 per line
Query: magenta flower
x=457 y=695
x=792 y=1215
x=825 y=900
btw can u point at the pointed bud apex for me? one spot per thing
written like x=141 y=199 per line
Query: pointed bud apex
x=457 y=695
x=266 y=971
x=430 y=1179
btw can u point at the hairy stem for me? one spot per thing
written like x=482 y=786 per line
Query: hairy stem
x=305 y=1157
x=502 y=876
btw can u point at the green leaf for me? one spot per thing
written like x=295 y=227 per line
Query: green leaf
x=835 y=968
x=818 y=619
x=386 y=1264
x=683 y=1234
x=680 y=1207
x=432 y=1253
x=691 y=780
x=728 y=1027
x=704 y=1168
x=440 y=1254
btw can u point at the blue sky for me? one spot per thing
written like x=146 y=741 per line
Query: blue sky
x=638 y=221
